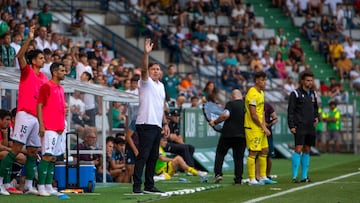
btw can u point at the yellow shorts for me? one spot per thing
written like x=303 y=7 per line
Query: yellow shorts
x=256 y=140
x=166 y=169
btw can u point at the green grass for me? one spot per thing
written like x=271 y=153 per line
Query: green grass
x=322 y=167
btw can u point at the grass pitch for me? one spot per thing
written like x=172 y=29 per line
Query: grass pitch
x=322 y=168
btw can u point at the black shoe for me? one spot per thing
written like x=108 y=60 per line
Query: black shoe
x=295 y=180
x=153 y=190
x=137 y=192
x=237 y=181
x=306 y=180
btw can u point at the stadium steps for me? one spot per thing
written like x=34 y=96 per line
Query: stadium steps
x=275 y=18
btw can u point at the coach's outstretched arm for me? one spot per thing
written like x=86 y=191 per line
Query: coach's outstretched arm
x=145 y=62
x=24 y=47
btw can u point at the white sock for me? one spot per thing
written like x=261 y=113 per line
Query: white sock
x=41 y=187
x=28 y=184
x=48 y=187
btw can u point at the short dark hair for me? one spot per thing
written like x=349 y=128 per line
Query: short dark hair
x=32 y=54
x=119 y=140
x=4 y=113
x=55 y=67
x=88 y=75
x=152 y=63
x=305 y=74
x=260 y=74
x=13 y=112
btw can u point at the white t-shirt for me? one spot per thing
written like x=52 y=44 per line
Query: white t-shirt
x=350 y=50
x=151 y=102
x=135 y=91
x=356 y=75
x=46 y=70
x=80 y=68
x=17 y=49
x=258 y=49
x=42 y=44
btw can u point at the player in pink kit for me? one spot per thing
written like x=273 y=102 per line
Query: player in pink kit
x=51 y=116
x=26 y=125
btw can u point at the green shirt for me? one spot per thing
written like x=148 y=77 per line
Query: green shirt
x=115 y=121
x=335 y=113
x=45 y=19
x=319 y=126
x=171 y=83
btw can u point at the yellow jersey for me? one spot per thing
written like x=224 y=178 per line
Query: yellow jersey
x=257 y=99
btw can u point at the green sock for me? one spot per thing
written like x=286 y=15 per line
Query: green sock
x=30 y=166
x=50 y=173
x=42 y=171
x=6 y=166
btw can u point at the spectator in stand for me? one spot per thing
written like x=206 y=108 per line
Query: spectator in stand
x=230 y=79
x=82 y=65
x=7 y=52
x=325 y=24
x=48 y=62
x=45 y=17
x=237 y=11
x=188 y=87
x=171 y=82
x=258 y=47
x=343 y=66
x=294 y=73
x=280 y=36
x=335 y=50
x=222 y=35
x=289 y=87
x=272 y=47
x=230 y=59
x=41 y=41
x=210 y=93
x=302 y=8
x=247 y=34
x=4 y=27
x=236 y=26
x=315 y=7
x=211 y=35
x=350 y=48
x=355 y=77
x=280 y=66
x=340 y=16
x=118 y=115
x=324 y=89
x=335 y=30
x=356 y=60
x=256 y=63
x=268 y=65
x=243 y=52
x=194 y=102
x=78 y=25
x=29 y=11
x=16 y=44
x=349 y=15
x=308 y=27
x=89 y=100
x=226 y=6
x=296 y=53
x=285 y=50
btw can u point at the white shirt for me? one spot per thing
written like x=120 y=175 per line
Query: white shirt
x=289 y=88
x=151 y=102
x=258 y=49
x=78 y=103
x=350 y=50
x=356 y=76
x=135 y=91
x=46 y=70
x=80 y=68
x=42 y=44
x=212 y=36
x=17 y=49
x=29 y=13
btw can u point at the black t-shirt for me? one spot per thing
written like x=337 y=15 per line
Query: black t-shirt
x=243 y=50
x=234 y=125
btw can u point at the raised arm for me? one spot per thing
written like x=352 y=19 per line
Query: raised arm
x=24 y=47
x=145 y=62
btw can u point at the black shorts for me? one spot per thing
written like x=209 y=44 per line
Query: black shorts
x=305 y=137
x=130 y=156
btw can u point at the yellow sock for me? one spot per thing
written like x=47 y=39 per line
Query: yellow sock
x=262 y=165
x=251 y=167
x=192 y=171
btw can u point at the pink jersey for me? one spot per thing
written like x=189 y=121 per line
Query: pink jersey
x=29 y=88
x=53 y=111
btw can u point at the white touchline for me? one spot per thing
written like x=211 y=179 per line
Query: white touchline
x=300 y=188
